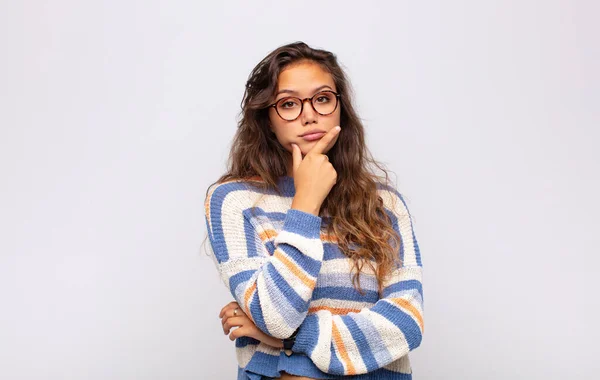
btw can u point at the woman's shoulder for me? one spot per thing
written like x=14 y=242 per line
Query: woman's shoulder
x=225 y=186
x=233 y=191
x=393 y=199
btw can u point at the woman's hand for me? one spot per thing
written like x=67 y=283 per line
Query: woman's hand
x=233 y=316
x=314 y=175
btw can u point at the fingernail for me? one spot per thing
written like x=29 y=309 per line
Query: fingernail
x=338 y=128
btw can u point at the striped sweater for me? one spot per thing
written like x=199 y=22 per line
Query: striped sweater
x=286 y=273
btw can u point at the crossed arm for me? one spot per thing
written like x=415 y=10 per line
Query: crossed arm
x=274 y=291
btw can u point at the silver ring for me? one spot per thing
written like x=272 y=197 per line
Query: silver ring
x=235 y=311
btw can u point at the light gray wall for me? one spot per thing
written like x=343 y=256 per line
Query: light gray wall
x=115 y=117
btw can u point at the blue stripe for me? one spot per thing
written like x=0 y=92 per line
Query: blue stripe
x=239 y=278
x=272 y=216
x=215 y=205
x=252 y=239
x=244 y=341
x=335 y=365
x=367 y=281
x=392 y=216
x=403 y=285
x=302 y=223
x=361 y=342
x=344 y=293
x=257 y=314
x=402 y=320
x=270 y=247
x=305 y=262
x=380 y=352
x=308 y=333
x=302 y=365
x=262 y=364
x=396 y=228
x=285 y=294
x=209 y=230
x=331 y=251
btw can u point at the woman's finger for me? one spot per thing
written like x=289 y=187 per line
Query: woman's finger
x=324 y=141
x=296 y=157
x=232 y=319
x=231 y=305
x=233 y=322
x=239 y=332
x=236 y=312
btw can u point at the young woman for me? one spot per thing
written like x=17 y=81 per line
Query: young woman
x=318 y=252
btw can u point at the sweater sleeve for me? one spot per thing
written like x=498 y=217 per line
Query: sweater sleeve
x=273 y=290
x=365 y=340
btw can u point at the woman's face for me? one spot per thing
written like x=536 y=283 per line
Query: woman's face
x=303 y=80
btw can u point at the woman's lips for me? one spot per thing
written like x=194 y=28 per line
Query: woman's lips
x=313 y=136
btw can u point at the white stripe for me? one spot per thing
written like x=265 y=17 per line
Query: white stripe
x=401 y=365
x=393 y=338
x=343 y=265
x=235 y=266
x=232 y=222
x=321 y=355
x=269 y=350
x=244 y=354
x=395 y=204
x=404 y=274
x=310 y=247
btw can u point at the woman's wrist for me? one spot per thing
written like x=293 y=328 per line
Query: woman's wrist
x=302 y=205
x=274 y=342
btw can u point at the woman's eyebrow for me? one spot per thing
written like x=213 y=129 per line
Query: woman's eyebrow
x=296 y=92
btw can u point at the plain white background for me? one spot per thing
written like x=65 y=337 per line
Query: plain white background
x=116 y=116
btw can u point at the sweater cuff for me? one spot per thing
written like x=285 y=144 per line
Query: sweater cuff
x=302 y=223
x=307 y=335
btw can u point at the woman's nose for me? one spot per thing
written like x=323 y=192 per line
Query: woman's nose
x=308 y=113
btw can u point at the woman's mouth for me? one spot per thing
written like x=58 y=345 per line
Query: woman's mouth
x=313 y=136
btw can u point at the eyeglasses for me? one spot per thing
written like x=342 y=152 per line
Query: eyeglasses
x=289 y=108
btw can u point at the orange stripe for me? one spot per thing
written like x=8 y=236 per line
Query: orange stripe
x=333 y=310
x=328 y=238
x=207 y=212
x=247 y=297
x=294 y=269
x=337 y=338
x=408 y=306
x=207 y=208
x=269 y=233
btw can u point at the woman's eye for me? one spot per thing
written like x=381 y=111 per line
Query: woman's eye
x=288 y=104
x=322 y=99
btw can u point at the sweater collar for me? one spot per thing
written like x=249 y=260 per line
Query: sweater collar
x=286 y=185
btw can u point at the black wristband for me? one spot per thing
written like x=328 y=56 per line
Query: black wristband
x=288 y=343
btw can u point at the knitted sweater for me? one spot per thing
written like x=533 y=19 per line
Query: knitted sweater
x=286 y=273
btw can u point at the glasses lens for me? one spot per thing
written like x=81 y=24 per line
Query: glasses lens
x=289 y=108
x=325 y=102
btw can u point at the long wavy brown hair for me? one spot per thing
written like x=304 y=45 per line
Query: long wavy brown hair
x=358 y=221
